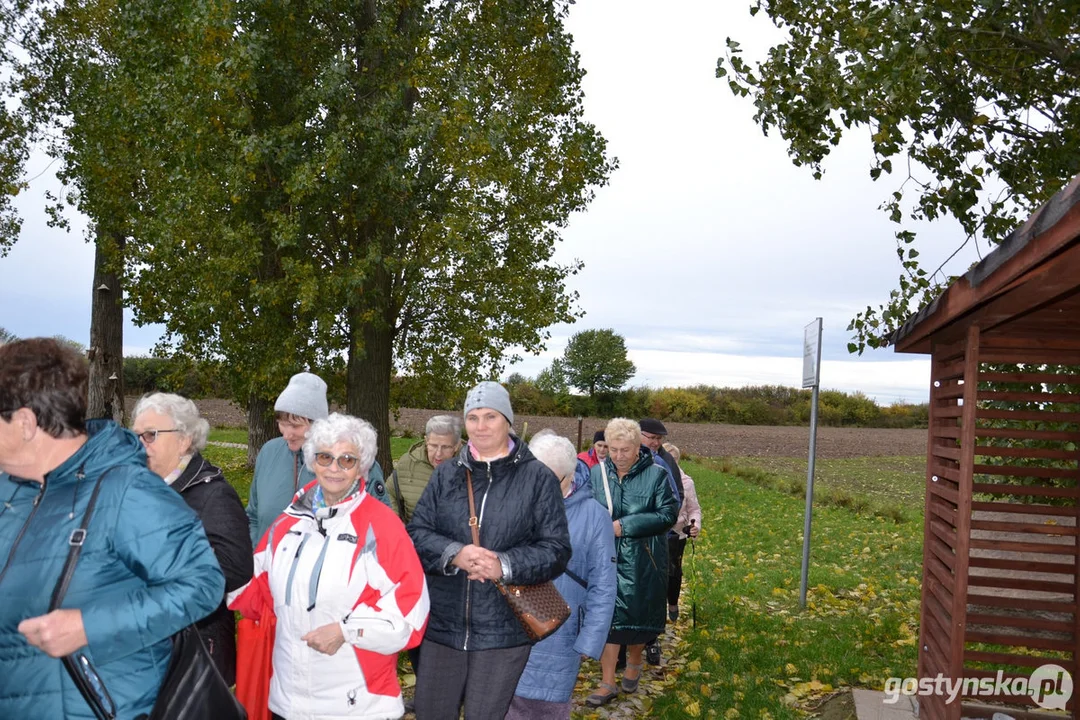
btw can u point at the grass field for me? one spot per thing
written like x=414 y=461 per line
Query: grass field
x=754 y=652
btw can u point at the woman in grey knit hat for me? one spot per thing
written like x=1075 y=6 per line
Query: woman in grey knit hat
x=474 y=648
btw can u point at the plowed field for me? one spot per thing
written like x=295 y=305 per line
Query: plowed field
x=696 y=439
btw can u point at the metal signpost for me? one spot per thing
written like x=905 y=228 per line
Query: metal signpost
x=811 y=378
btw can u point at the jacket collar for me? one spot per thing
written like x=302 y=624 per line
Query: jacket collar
x=519 y=453
x=199 y=470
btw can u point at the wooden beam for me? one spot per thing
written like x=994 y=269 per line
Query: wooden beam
x=957 y=303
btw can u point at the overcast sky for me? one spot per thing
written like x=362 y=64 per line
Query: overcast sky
x=709 y=251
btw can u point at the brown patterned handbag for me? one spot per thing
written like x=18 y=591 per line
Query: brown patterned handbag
x=540 y=609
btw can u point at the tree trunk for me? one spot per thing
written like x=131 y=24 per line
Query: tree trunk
x=367 y=396
x=106 y=395
x=261 y=426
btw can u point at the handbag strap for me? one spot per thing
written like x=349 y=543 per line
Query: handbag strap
x=607 y=490
x=75 y=545
x=577 y=578
x=474 y=522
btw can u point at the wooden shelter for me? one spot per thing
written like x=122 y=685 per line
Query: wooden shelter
x=1000 y=552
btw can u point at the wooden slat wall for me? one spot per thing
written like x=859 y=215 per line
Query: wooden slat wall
x=1000 y=556
x=938 y=642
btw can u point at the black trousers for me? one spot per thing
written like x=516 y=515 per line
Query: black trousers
x=483 y=680
x=675 y=548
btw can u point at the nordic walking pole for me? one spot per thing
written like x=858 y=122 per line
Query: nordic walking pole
x=693 y=582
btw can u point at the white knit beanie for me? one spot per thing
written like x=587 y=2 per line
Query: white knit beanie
x=304 y=396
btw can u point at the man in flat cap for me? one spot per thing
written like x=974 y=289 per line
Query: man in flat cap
x=653 y=434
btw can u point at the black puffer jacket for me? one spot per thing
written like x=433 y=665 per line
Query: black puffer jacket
x=521 y=517
x=216 y=503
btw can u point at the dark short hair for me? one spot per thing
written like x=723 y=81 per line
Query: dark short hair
x=47 y=377
x=282 y=416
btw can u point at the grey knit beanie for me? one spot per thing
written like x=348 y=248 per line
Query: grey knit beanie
x=305 y=396
x=490 y=394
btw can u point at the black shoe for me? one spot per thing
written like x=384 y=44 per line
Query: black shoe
x=652 y=653
x=410 y=705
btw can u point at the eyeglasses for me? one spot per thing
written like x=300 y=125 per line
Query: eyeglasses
x=345 y=462
x=441 y=449
x=149 y=436
x=650 y=436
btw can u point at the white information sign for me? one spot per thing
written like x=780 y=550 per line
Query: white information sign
x=811 y=359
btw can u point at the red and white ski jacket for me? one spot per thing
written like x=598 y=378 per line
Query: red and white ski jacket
x=351 y=564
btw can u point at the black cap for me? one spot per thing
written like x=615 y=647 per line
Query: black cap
x=652 y=425
x=598 y=436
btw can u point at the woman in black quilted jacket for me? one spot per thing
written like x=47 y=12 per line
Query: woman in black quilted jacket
x=173 y=435
x=475 y=650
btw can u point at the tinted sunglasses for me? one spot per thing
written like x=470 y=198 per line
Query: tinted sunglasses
x=345 y=462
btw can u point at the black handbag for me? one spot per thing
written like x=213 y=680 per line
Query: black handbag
x=193 y=688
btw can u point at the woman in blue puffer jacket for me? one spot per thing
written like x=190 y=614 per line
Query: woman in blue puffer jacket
x=146 y=568
x=588 y=586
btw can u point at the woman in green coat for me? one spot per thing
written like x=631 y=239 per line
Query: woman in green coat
x=643 y=508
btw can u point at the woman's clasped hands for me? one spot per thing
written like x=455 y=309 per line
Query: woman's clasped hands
x=480 y=563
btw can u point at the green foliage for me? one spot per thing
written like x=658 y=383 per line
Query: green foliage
x=194 y=380
x=6 y=336
x=976 y=101
x=377 y=185
x=756 y=405
x=14 y=148
x=595 y=362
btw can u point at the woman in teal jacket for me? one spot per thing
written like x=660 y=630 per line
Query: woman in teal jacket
x=642 y=506
x=146 y=568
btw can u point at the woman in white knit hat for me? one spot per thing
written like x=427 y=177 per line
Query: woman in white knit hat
x=475 y=649
x=279 y=468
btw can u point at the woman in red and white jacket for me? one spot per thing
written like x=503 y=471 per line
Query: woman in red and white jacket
x=341 y=574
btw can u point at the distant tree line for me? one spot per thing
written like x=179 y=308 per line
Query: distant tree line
x=756 y=405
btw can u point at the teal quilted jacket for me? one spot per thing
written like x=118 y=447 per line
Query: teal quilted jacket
x=146 y=571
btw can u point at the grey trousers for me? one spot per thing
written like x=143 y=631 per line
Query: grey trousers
x=484 y=680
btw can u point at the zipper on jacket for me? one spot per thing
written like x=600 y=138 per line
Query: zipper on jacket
x=468 y=583
x=22 y=530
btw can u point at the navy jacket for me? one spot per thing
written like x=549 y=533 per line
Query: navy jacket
x=521 y=516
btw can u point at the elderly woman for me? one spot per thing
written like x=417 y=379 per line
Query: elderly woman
x=344 y=582
x=174 y=435
x=146 y=569
x=642 y=508
x=412 y=471
x=588 y=585
x=475 y=649
x=687 y=525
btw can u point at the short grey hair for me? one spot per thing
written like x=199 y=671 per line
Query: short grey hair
x=342 y=428
x=182 y=411
x=444 y=425
x=556 y=452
